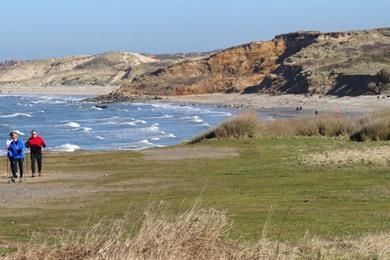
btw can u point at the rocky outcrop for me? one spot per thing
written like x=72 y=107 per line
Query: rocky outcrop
x=340 y=63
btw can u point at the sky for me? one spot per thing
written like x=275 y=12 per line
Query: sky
x=48 y=28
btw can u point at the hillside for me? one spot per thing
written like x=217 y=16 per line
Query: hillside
x=341 y=63
x=110 y=68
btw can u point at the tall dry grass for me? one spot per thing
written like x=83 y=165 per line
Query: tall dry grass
x=242 y=126
x=372 y=126
x=194 y=234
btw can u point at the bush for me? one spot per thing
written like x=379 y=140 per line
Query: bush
x=242 y=126
x=373 y=88
x=376 y=129
x=384 y=75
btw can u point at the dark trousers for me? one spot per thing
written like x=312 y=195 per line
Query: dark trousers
x=14 y=167
x=36 y=159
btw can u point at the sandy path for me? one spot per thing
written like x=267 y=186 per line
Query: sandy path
x=32 y=192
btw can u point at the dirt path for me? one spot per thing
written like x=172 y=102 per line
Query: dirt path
x=33 y=192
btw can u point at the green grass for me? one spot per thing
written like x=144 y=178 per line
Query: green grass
x=328 y=201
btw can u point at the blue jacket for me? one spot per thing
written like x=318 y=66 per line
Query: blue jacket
x=16 y=149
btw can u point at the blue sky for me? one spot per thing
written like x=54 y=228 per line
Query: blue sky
x=40 y=29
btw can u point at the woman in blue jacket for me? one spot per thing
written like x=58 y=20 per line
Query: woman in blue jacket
x=15 y=154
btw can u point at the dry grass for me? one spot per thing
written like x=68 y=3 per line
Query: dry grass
x=373 y=126
x=335 y=125
x=376 y=156
x=242 y=126
x=194 y=234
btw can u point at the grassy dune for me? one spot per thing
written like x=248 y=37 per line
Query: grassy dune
x=270 y=184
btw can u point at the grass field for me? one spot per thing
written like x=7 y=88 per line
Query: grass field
x=328 y=201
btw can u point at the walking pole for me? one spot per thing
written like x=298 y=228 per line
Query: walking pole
x=25 y=166
x=8 y=170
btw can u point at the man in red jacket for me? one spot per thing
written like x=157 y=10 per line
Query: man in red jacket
x=35 y=143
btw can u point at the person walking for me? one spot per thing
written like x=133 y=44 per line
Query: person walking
x=35 y=143
x=15 y=155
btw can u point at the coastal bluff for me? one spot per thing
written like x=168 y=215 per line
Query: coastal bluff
x=308 y=62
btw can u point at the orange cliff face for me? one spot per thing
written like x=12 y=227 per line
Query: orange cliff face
x=231 y=70
x=340 y=63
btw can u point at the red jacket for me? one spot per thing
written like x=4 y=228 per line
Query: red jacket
x=35 y=144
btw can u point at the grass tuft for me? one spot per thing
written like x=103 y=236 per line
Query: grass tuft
x=242 y=126
x=195 y=234
x=373 y=126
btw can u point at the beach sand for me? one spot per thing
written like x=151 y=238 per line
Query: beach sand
x=264 y=102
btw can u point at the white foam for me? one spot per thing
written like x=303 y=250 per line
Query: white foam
x=99 y=137
x=66 y=148
x=196 y=119
x=155 y=138
x=97 y=108
x=15 y=115
x=139 y=121
x=72 y=124
x=128 y=123
x=86 y=129
x=145 y=141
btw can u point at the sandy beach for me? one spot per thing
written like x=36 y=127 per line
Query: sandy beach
x=264 y=102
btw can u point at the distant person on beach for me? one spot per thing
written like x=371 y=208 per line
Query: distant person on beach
x=35 y=143
x=15 y=153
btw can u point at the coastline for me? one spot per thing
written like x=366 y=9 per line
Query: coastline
x=246 y=102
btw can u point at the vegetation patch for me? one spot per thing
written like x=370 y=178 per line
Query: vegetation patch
x=194 y=234
x=374 y=156
x=243 y=126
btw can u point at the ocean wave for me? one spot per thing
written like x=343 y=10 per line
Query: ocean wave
x=72 y=124
x=153 y=128
x=195 y=119
x=99 y=137
x=97 y=108
x=15 y=115
x=85 y=129
x=161 y=117
x=128 y=123
x=65 y=148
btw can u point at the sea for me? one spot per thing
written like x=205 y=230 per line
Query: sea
x=67 y=123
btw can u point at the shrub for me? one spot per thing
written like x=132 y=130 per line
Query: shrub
x=384 y=75
x=378 y=129
x=373 y=88
x=242 y=126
